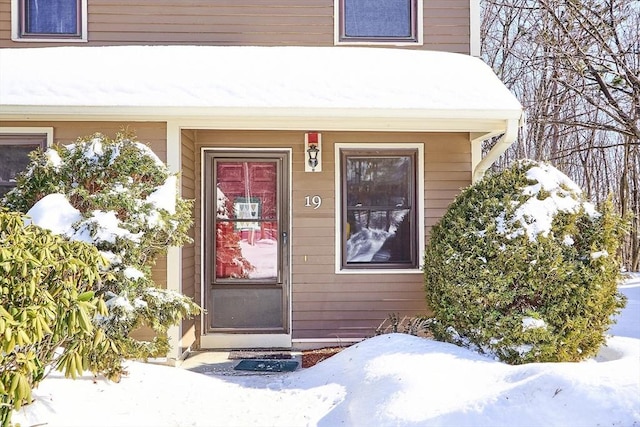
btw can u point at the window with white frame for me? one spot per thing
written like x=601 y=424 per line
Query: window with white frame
x=379 y=209
x=14 y=156
x=378 y=21
x=49 y=20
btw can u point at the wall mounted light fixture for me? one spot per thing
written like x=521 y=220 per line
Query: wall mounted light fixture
x=313 y=152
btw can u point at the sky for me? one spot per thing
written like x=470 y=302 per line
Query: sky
x=388 y=380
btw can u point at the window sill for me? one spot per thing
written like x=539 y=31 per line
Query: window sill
x=48 y=40
x=380 y=271
x=376 y=43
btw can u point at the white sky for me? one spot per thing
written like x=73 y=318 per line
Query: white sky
x=215 y=76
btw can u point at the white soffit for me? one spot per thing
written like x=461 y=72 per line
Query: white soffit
x=194 y=82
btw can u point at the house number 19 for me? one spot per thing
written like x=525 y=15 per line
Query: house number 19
x=315 y=201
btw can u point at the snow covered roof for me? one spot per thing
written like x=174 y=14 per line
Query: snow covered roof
x=185 y=80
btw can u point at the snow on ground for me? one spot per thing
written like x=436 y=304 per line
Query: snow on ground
x=389 y=380
x=628 y=325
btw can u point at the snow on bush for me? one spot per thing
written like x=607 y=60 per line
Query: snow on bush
x=523 y=268
x=117 y=195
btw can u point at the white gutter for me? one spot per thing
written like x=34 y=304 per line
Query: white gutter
x=336 y=119
x=505 y=141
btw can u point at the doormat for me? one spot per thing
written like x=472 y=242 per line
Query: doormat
x=267 y=365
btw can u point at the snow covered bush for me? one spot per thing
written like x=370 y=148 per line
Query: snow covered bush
x=47 y=301
x=523 y=268
x=118 y=196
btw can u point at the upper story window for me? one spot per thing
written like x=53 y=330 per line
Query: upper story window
x=379 y=21
x=49 y=20
x=379 y=209
x=14 y=156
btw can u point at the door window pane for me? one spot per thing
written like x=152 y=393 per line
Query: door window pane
x=246 y=245
x=379 y=210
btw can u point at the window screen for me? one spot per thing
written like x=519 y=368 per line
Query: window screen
x=51 y=18
x=383 y=20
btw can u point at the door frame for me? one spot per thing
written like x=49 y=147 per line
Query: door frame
x=227 y=340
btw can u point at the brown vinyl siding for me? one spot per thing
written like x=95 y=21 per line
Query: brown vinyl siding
x=150 y=133
x=190 y=268
x=325 y=304
x=446 y=25
x=329 y=305
x=153 y=134
x=442 y=183
x=234 y=23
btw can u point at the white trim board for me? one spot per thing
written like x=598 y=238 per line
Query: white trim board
x=237 y=341
x=29 y=130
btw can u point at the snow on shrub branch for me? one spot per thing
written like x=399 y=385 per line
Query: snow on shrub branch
x=117 y=195
x=550 y=193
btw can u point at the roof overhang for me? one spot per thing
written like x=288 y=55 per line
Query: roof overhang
x=283 y=88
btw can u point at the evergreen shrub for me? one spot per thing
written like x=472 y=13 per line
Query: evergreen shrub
x=47 y=301
x=118 y=196
x=521 y=267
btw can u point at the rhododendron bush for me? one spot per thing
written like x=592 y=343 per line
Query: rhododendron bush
x=116 y=195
